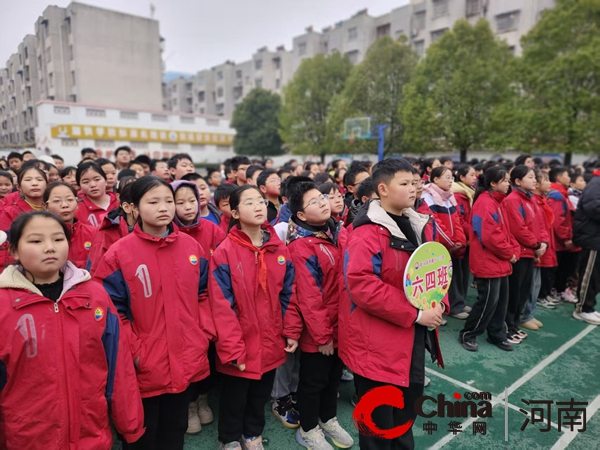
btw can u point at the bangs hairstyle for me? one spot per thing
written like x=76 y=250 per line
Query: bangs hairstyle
x=105 y=162
x=178 y=157
x=85 y=168
x=67 y=171
x=141 y=186
x=438 y=172
x=296 y=196
x=53 y=186
x=461 y=170
x=264 y=176
x=5 y=174
x=223 y=192
x=386 y=170
x=494 y=174
x=326 y=188
x=16 y=229
x=37 y=169
x=235 y=198
x=366 y=189
x=540 y=175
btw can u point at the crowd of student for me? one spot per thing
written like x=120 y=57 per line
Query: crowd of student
x=132 y=289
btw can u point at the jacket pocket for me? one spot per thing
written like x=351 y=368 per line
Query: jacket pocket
x=22 y=432
x=195 y=352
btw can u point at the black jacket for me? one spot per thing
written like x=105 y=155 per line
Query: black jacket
x=586 y=227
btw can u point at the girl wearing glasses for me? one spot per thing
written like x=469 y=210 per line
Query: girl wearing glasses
x=252 y=296
x=439 y=201
x=60 y=198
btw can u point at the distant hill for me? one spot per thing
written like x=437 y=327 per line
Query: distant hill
x=172 y=75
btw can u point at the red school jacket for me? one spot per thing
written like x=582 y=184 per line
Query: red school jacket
x=113 y=227
x=89 y=213
x=558 y=199
x=548 y=259
x=464 y=203
x=158 y=286
x=7 y=217
x=318 y=262
x=9 y=199
x=75 y=354
x=449 y=228
x=251 y=324
x=82 y=237
x=492 y=243
x=376 y=320
x=524 y=223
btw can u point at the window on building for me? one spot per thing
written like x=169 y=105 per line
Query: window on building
x=62 y=110
x=258 y=82
x=200 y=80
x=174 y=88
x=258 y=64
x=201 y=96
x=26 y=53
x=26 y=70
x=435 y=35
x=95 y=112
x=420 y=47
x=174 y=102
x=68 y=24
x=302 y=48
x=48 y=55
x=277 y=63
x=186 y=119
x=128 y=115
x=420 y=20
x=220 y=92
x=71 y=56
x=473 y=8
x=160 y=118
x=352 y=33
x=238 y=91
x=384 y=30
x=73 y=79
x=440 y=8
x=28 y=94
x=73 y=98
x=40 y=62
x=277 y=83
x=507 y=22
x=20 y=59
x=219 y=75
x=353 y=56
x=238 y=74
x=201 y=110
x=51 y=79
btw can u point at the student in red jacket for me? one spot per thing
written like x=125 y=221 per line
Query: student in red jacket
x=427 y=166
x=156 y=277
x=116 y=224
x=61 y=199
x=252 y=297
x=48 y=310
x=566 y=252
x=464 y=193
x=547 y=260
x=493 y=253
x=315 y=245
x=6 y=184
x=222 y=194
x=382 y=336
x=439 y=201
x=209 y=236
x=32 y=182
x=528 y=229
x=95 y=200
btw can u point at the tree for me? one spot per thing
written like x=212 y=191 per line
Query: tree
x=256 y=122
x=559 y=76
x=306 y=101
x=375 y=89
x=451 y=102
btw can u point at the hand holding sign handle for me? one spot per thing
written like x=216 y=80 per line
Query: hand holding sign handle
x=427 y=279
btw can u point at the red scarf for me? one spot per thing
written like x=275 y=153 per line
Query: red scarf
x=262 y=267
x=564 y=192
x=543 y=202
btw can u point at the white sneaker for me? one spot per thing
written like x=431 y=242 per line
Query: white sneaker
x=231 y=446
x=590 y=317
x=204 y=411
x=194 y=425
x=568 y=297
x=334 y=431
x=597 y=313
x=347 y=375
x=254 y=443
x=313 y=439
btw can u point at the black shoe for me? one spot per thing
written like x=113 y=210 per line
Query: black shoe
x=468 y=345
x=504 y=345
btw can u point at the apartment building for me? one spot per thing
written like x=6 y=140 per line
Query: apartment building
x=421 y=21
x=85 y=54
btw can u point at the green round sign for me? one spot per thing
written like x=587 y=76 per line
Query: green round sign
x=428 y=275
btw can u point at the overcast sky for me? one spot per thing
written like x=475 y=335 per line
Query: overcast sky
x=199 y=33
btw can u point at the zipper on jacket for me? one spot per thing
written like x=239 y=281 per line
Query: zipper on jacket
x=255 y=257
x=64 y=366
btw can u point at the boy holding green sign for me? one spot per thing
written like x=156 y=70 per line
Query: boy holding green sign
x=383 y=337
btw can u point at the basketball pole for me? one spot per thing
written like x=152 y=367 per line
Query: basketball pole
x=380 y=140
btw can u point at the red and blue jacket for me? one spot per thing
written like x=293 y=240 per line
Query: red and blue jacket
x=318 y=261
x=251 y=323
x=492 y=243
x=159 y=288
x=88 y=212
x=7 y=216
x=524 y=223
x=376 y=320
x=449 y=228
x=548 y=259
x=558 y=199
x=113 y=227
x=82 y=237
x=464 y=203
x=73 y=353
